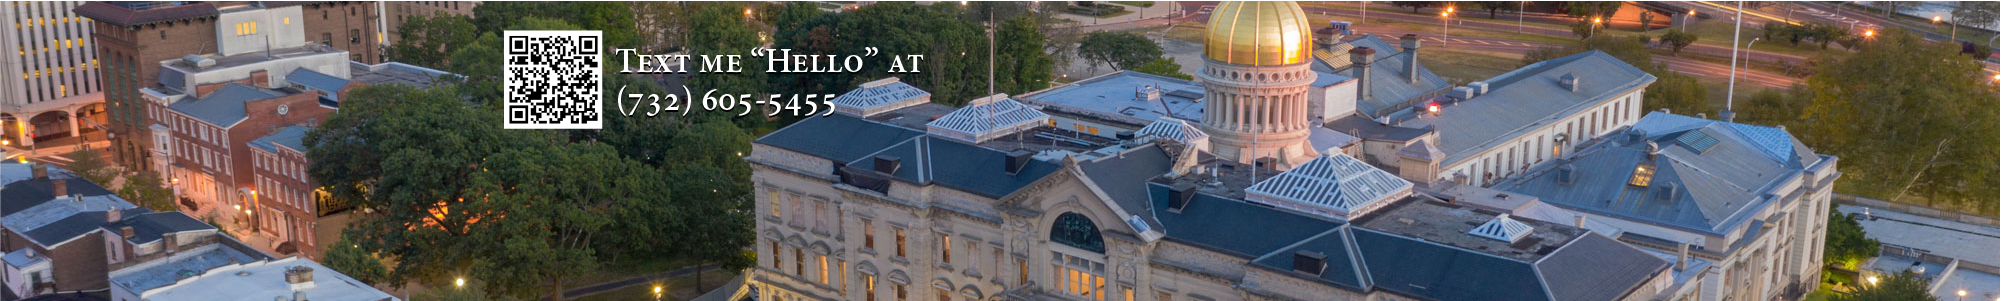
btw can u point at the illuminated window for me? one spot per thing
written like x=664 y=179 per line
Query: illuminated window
x=901 y=295
x=823 y=270
x=777 y=258
x=899 y=243
x=868 y=233
x=288 y=20
x=868 y=285
x=799 y=262
x=944 y=295
x=1642 y=174
x=945 y=247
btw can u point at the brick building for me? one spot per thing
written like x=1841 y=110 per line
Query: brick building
x=290 y=200
x=399 y=11
x=133 y=38
x=64 y=233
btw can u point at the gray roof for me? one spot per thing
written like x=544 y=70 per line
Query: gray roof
x=1341 y=269
x=840 y=138
x=950 y=163
x=1124 y=178
x=1334 y=181
x=1715 y=170
x=1115 y=96
x=292 y=136
x=1416 y=267
x=397 y=73
x=1389 y=86
x=1365 y=128
x=24 y=194
x=316 y=80
x=986 y=118
x=1233 y=226
x=1521 y=99
x=224 y=107
x=149 y=227
x=1595 y=267
x=194 y=262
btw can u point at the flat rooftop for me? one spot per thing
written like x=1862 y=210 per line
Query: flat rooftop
x=166 y=271
x=264 y=280
x=396 y=73
x=1450 y=224
x=254 y=57
x=913 y=117
x=1115 y=97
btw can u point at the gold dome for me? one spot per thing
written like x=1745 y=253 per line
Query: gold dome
x=1259 y=33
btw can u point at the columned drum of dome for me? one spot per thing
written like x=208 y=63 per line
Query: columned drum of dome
x=1257 y=75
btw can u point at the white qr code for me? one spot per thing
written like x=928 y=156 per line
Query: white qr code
x=553 y=80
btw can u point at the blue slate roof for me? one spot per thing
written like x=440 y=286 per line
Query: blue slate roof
x=224 y=107
x=950 y=163
x=289 y=136
x=317 y=81
x=1713 y=183
x=1233 y=226
x=1124 y=178
x=24 y=194
x=1434 y=271
x=1519 y=100
x=837 y=137
x=1595 y=267
x=1389 y=86
x=1341 y=269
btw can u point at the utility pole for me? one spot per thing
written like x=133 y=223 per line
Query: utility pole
x=1519 y=8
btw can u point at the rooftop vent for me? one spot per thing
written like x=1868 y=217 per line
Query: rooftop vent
x=1568 y=81
x=1147 y=93
x=1479 y=88
x=1180 y=196
x=301 y=278
x=1503 y=228
x=1566 y=174
x=198 y=61
x=1018 y=159
x=1463 y=93
x=41 y=171
x=1665 y=192
x=887 y=164
x=1309 y=262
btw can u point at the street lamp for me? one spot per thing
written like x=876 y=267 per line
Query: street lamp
x=1594 y=26
x=1872 y=280
x=459 y=282
x=1445 y=18
x=1869 y=33
x=1519 y=7
x=1684 y=19
x=1962 y=294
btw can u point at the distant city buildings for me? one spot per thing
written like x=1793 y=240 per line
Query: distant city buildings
x=56 y=93
x=66 y=236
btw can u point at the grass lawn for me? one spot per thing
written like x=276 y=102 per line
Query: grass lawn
x=1717 y=33
x=680 y=288
x=1461 y=67
x=1184 y=31
x=615 y=271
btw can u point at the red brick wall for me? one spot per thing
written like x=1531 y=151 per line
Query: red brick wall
x=129 y=59
x=79 y=264
x=351 y=24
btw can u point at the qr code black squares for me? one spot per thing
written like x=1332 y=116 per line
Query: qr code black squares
x=553 y=80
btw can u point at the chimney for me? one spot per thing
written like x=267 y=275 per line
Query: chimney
x=167 y=243
x=887 y=164
x=1579 y=221
x=1410 y=47
x=58 y=187
x=1309 y=262
x=41 y=170
x=125 y=232
x=1568 y=81
x=114 y=215
x=1681 y=257
x=299 y=274
x=1180 y=196
x=1360 y=57
x=1018 y=159
x=1327 y=37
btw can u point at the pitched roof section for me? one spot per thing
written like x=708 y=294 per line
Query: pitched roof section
x=1336 y=186
x=149 y=227
x=986 y=118
x=316 y=80
x=1433 y=271
x=879 y=96
x=1594 y=267
x=1233 y=226
x=224 y=107
x=839 y=138
x=1123 y=178
x=1174 y=129
x=1503 y=228
x=1703 y=190
x=1521 y=99
x=928 y=160
x=292 y=137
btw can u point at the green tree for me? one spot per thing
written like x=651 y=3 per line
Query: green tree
x=1847 y=244
x=1020 y=64
x=350 y=260
x=722 y=30
x=147 y=190
x=1905 y=286
x=1677 y=92
x=1583 y=29
x=1773 y=107
x=538 y=209
x=613 y=19
x=429 y=40
x=1164 y=66
x=1898 y=112
x=1974 y=12
x=1494 y=7
x=1585 y=10
x=501 y=15
x=90 y=164
x=1679 y=39
x=1119 y=50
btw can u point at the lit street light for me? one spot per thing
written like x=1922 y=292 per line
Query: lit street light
x=1594 y=25
x=1962 y=294
x=1445 y=18
x=1684 y=19
x=461 y=282
x=1872 y=280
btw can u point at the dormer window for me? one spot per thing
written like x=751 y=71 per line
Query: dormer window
x=1642 y=174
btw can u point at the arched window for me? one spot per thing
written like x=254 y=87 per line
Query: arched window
x=1075 y=230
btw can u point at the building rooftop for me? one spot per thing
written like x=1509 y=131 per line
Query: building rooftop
x=878 y=96
x=1118 y=97
x=315 y=80
x=1453 y=224
x=1390 y=87
x=187 y=264
x=264 y=280
x=150 y=227
x=291 y=137
x=1232 y=226
x=397 y=73
x=913 y=117
x=224 y=107
x=144 y=12
x=1366 y=128
x=927 y=160
x=837 y=137
x=986 y=118
x=1333 y=183
x=249 y=58
x=1124 y=177
x=1704 y=176
x=1530 y=97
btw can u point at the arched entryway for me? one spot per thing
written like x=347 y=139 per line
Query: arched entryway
x=50 y=125
x=1078 y=257
x=91 y=120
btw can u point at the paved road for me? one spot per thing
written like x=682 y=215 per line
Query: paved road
x=608 y=286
